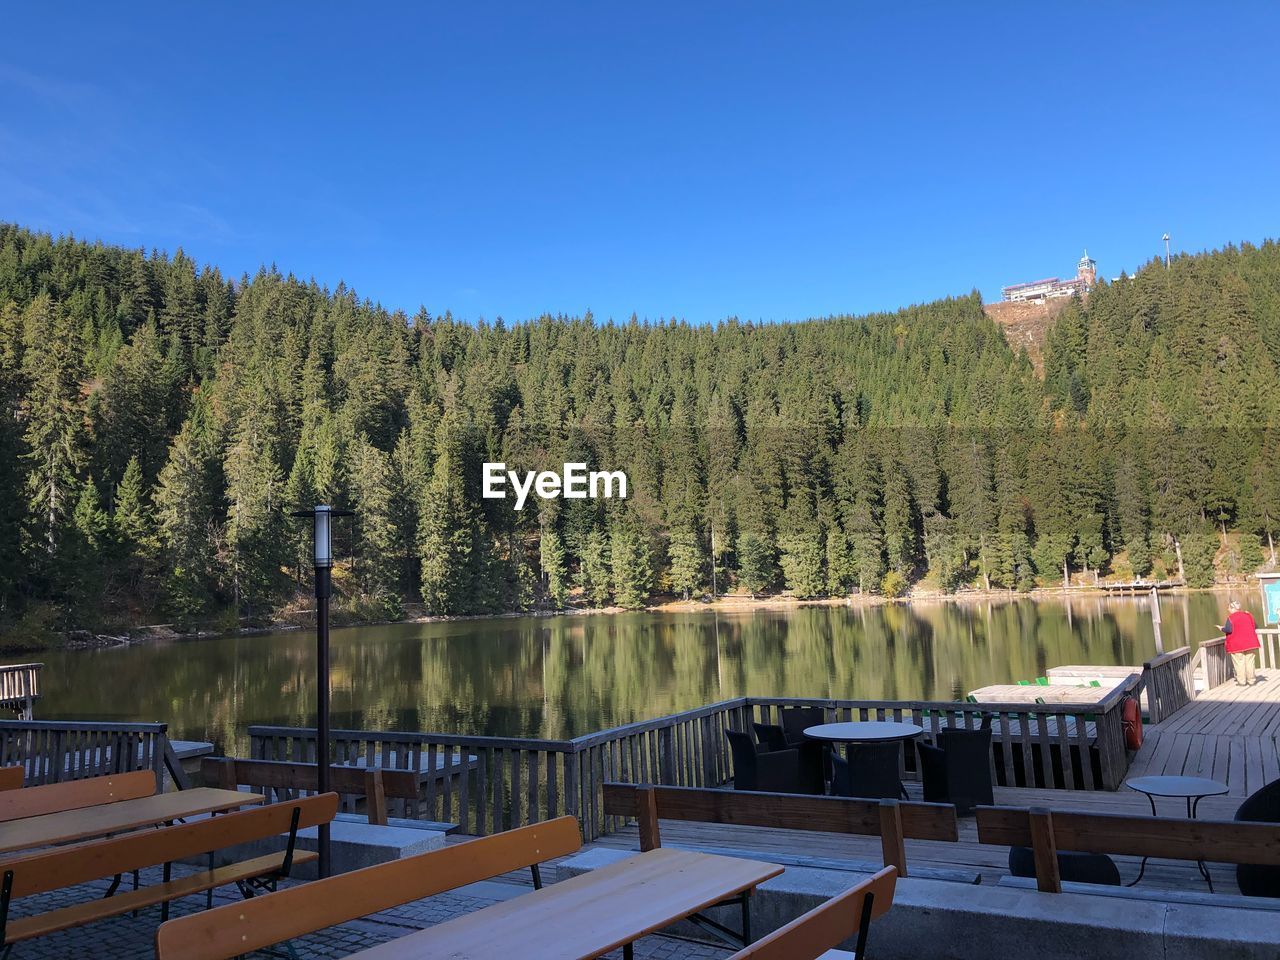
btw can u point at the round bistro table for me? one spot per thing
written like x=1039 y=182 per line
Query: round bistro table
x=1190 y=789
x=866 y=731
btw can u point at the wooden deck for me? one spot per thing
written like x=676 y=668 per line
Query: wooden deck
x=1228 y=734
x=989 y=862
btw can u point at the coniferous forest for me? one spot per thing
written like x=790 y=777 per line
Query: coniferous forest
x=161 y=421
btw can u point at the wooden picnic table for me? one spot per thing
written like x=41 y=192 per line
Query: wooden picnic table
x=1053 y=693
x=588 y=915
x=68 y=825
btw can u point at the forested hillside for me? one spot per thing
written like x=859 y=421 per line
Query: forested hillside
x=161 y=421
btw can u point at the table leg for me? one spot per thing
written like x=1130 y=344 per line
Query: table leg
x=1142 y=868
x=1192 y=810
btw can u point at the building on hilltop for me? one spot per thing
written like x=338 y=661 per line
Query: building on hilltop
x=1038 y=291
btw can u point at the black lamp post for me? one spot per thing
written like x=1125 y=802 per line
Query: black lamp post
x=322 y=517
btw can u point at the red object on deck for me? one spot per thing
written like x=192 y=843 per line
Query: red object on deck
x=1131 y=716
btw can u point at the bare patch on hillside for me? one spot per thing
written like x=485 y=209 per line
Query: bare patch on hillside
x=1026 y=325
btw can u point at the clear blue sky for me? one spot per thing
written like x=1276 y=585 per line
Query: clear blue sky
x=765 y=160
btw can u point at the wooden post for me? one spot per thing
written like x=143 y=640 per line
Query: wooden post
x=891 y=840
x=225 y=773
x=1155 y=619
x=666 y=756
x=1045 y=850
x=647 y=819
x=375 y=797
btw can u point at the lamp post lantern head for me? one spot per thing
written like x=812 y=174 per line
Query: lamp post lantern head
x=324 y=536
x=322 y=518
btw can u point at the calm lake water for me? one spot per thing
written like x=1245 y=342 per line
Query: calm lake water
x=564 y=676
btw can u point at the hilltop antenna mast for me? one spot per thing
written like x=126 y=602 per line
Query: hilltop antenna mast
x=1166 y=251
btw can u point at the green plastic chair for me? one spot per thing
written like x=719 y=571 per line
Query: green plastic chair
x=1024 y=683
x=1042 y=681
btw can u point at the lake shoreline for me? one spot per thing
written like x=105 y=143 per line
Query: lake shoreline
x=728 y=603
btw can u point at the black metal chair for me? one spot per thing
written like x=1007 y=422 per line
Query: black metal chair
x=871 y=772
x=770 y=736
x=1260 y=879
x=1072 y=867
x=958 y=769
x=773 y=771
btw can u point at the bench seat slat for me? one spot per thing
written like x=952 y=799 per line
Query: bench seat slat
x=78 y=914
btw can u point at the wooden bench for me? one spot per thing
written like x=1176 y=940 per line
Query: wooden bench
x=286 y=780
x=74 y=794
x=62 y=867
x=11 y=778
x=814 y=935
x=893 y=822
x=1048 y=831
x=240 y=928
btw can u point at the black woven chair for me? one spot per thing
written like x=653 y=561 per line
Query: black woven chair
x=774 y=771
x=815 y=756
x=1260 y=879
x=1072 y=867
x=795 y=720
x=811 y=777
x=871 y=772
x=958 y=769
x=770 y=736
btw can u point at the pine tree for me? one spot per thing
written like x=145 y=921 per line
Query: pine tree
x=687 y=562
x=380 y=547
x=551 y=556
x=594 y=573
x=452 y=543
x=186 y=517
x=133 y=517
x=53 y=410
x=629 y=562
x=756 y=565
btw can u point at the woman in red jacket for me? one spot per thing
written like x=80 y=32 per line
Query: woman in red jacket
x=1242 y=643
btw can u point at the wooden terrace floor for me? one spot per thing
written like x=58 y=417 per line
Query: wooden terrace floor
x=1228 y=734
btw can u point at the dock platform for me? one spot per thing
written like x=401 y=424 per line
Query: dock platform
x=1228 y=733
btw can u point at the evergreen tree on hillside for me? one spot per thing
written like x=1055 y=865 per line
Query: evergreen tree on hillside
x=819 y=457
x=52 y=409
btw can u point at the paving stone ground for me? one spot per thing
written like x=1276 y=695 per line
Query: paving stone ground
x=133 y=938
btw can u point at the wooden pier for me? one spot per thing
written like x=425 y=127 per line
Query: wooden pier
x=20 y=688
x=1227 y=733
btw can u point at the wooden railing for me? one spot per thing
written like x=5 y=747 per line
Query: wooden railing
x=488 y=784
x=1212 y=663
x=54 y=751
x=20 y=688
x=1075 y=746
x=1269 y=651
x=483 y=784
x=1168 y=682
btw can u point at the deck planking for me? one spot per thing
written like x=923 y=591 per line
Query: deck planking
x=1228 y=734
x=988 y=861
